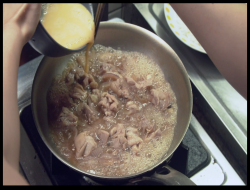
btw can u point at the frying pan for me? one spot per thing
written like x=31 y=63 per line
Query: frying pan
x=127 y=37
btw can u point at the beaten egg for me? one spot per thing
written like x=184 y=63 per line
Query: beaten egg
x=69 y=24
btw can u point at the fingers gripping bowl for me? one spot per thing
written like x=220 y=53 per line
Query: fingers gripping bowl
x=129 y=38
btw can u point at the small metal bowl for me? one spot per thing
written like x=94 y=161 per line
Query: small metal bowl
x=43 y=43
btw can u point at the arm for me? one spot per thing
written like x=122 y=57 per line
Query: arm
x=221 y=29
x=19 y=24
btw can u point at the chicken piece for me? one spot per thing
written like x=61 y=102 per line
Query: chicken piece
x=161 y=99
x=102 y=136
x=70 y=101
x=84 y=145
x=90 y=114
x=117 y=135
x=79 y=92
x=75 y=73
x=132 y=107
x=157 y=96
x=145 y=126
x=150 y=136
x=88 y=78
x=140 y=85
x=134 y=141
x=106 y=57
x=79 y=74
x=108 y=104
x=109 y=119
x=94 y=98
x=97 y=93
x=67 y=118
x=105 y=67
x=116 y=87
x=145 y=83
x=131 y=81
x=104 y=86
x=133 y=85
x=111 y=76
x=89 y=81
x=81 y=61
x=70 y=78
x=93 y=85
x=117 y=130
x=125 y=93
x=136 y=148
x=120 y=89
x=132 y=135
x=119 y=142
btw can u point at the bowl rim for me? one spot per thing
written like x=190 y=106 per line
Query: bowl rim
x=54 y=41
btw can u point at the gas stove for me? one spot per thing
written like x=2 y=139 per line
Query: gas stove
x=197 y=156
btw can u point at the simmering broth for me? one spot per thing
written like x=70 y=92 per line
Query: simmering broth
x=115 y=120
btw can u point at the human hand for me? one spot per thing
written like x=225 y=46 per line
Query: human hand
x=21 y=19
x=19 y=24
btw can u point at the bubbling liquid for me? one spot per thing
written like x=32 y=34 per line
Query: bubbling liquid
x=133 y=64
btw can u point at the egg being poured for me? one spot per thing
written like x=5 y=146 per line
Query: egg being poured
x=69 y=24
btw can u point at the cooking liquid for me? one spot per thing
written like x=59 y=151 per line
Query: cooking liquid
x=125 y=162
x=86 y=68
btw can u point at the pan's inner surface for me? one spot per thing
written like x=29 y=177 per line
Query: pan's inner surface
x=129 y=38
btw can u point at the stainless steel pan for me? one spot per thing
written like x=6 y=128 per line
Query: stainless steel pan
x=131 y=38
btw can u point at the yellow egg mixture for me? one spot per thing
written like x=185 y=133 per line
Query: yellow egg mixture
x=69 y=24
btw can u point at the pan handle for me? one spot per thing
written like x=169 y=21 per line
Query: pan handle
x=164 y=176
